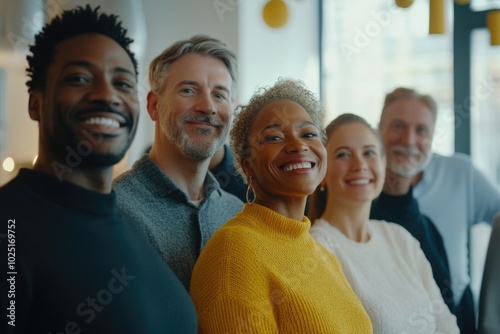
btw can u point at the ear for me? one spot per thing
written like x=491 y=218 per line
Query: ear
x=153 y=105
x=247 y=168
x=35 y=106
x=323 y=183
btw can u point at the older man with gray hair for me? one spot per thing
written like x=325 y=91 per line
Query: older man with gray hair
x=170 y=192
x=450 y=190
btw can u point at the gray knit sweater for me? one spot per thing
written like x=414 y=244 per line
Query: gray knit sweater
x=178 y=229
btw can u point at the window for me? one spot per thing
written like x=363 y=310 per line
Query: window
x=372 y=47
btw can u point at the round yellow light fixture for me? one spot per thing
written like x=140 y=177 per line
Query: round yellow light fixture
x=404 y=3
x=275 y=13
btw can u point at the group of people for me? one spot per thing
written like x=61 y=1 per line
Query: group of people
x=340 y=230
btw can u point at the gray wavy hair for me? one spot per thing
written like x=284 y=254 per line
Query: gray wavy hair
x=199 y=44
x=291 y=90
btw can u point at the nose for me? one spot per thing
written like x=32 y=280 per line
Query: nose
x=408 y=137
x=359 y=163
x=205 y=103
x=296 y=145
x=104 y=91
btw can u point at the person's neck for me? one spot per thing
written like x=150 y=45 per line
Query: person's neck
x=217 y=158
x=417 y=178
x=291 y=207
x=351 y=220
x=187 y=174
x=396 y=185
x=95 y=179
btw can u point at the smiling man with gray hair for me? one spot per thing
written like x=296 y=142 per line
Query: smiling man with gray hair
x=169 y=192
x=449 y=190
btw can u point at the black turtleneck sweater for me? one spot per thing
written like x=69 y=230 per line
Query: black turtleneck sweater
x=80 y=266
x=404 y=210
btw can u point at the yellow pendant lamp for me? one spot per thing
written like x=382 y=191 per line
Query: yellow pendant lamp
x=275 y=13
x=437 y=17
x=493 y=24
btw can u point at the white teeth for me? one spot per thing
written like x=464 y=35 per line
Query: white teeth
x=301 y=165
x=108 y=122
x=360 y=181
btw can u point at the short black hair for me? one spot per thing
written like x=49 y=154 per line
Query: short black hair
x=80 y=20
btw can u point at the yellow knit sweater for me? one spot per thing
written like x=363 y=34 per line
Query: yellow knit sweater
x=264 y=273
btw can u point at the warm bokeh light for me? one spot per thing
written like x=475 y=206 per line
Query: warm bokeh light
x=8 y=164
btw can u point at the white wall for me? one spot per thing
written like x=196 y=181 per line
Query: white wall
x=289 y=52
x=264 y=55
x=21 y=133
x=167 y=22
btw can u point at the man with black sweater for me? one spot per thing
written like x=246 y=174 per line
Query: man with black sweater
x=71 y=262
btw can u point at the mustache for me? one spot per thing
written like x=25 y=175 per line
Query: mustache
x=409 y=150
x=95 y=108
x=203 y=119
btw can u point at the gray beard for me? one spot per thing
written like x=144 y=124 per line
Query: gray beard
x=405 y=170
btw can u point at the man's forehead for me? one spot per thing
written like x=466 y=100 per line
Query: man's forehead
x=409 y=109
x=92 y=48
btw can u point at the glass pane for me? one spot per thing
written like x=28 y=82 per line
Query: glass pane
x=479 y=5
x=372 y=47
x=485 y=104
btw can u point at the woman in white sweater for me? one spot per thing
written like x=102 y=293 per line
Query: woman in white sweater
x=382 y=261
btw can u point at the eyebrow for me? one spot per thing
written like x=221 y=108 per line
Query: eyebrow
x=195 y=83
x=86 y=64
x=278 y=126
x=348 y=148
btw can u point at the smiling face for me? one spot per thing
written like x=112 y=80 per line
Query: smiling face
x=194 y=111
x=287 y=155
x=356 y=170
x=406 y=128
x=89 y=102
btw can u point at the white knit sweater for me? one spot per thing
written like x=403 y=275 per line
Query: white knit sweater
x=392 y=278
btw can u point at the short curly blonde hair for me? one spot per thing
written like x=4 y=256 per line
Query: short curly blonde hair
x=291 y=90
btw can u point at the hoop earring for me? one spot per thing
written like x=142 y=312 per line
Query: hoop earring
x=250 y=190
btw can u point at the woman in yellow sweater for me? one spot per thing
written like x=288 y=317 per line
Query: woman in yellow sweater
x=262 y=272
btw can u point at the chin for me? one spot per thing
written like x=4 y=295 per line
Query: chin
x=404 y=170
x=96 y=160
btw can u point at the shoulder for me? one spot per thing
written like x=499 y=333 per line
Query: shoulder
x=226 y=201
x=394 y=233
x=456 y=160
x=233 y=243
x=325 y=234
x=10 y=188
x=320 y=228
x=133 y=175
